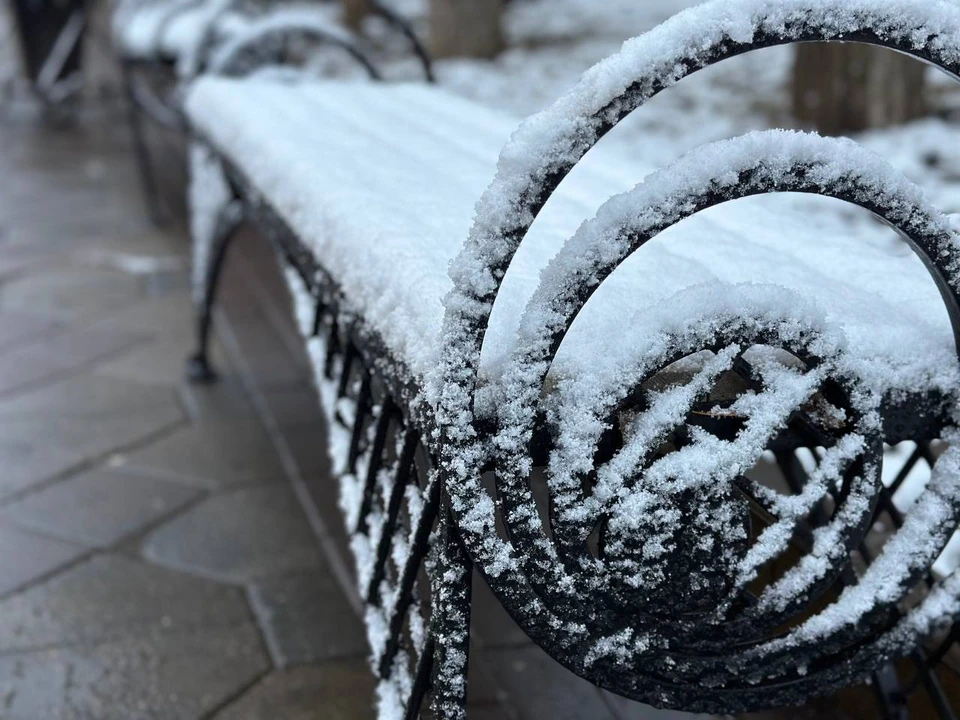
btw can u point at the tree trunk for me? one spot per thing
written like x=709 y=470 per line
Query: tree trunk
x=354 y=11
x=842 y=88
x=471 y=28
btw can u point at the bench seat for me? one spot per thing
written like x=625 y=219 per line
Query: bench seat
x=381 y=182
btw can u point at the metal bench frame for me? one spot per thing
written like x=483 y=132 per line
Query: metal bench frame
x=144 y=103
x=386 y=400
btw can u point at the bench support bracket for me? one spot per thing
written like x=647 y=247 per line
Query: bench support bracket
x=199 y=370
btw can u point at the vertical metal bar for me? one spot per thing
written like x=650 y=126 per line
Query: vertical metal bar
x=333 y=347
x=421 y=682
x=148 y=180
x=364 y=403
x=199 y=369
x=418 y=551
x=376 y=461
x=450 y=624
x=347 y=365
x=889 y=693
x=317 y=318
x=401 y=477
x=932 y=683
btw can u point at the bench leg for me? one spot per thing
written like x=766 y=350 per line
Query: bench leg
x=199 y=369
x=450 y=629
x=148 y=179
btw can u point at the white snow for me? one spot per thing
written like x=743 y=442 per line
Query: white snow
x=170 y=29
x=382 y=183
x=928 y=526
x=305 y=146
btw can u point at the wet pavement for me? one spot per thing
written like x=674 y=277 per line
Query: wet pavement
x=156 y=561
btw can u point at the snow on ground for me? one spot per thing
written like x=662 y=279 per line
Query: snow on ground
x=554 y=41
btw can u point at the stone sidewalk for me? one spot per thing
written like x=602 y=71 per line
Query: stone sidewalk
x=156 y=562
x=172 y=551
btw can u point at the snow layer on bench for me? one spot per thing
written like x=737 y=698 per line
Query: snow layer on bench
x=382 y=182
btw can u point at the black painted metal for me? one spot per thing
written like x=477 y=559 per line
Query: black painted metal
x=356 y=342
x=707 y=674
x=45 y=34
x=269 y=48
x=403 y=26
x=143 y=103
x=402 y=475
x=148 y=178
x=199 y=369
x=712 y=681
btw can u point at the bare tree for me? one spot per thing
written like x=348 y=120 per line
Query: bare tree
x=470 y=28
x=840 y=88
x=354 y=11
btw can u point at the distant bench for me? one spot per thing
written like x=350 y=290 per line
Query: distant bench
x=162 y=43
x=608 y=430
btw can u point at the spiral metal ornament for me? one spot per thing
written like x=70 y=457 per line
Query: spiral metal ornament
x=649 y=576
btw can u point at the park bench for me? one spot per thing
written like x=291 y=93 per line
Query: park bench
x=609 y=429
x=162 y=43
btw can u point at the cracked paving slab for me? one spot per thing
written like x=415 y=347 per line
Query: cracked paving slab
x=100 y=507
x=171 y=677
x=110 y=598
x=238 y=536
x=66 y=424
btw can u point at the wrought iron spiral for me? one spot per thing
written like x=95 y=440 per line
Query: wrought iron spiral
x=651 y=576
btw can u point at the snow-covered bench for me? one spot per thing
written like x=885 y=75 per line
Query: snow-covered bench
x=162 y=42
x=584 y=415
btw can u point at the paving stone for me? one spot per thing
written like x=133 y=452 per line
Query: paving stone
x=492 y=626
x=19 y=327
x=274 y=367
x=305 y=617
x=482 y=687
x=27 y=556
x=72 y=292
x=625 y=709
x=491 y=712
x=296 y=407
x=538 y=687
x=272 y=351
x=170 y=321
x=60 y=354
x=28 y=456
x=174 y=677
x=239 y=536
x=223 y=401
x=308 y=446
x=856 y=703
x=88 y=398
x=214 y=455
x=109 y=598
x=16 y=259
x=100 y=507
x=168 y=315
x=47 y=431
x=159 y=361
x=333 y=691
